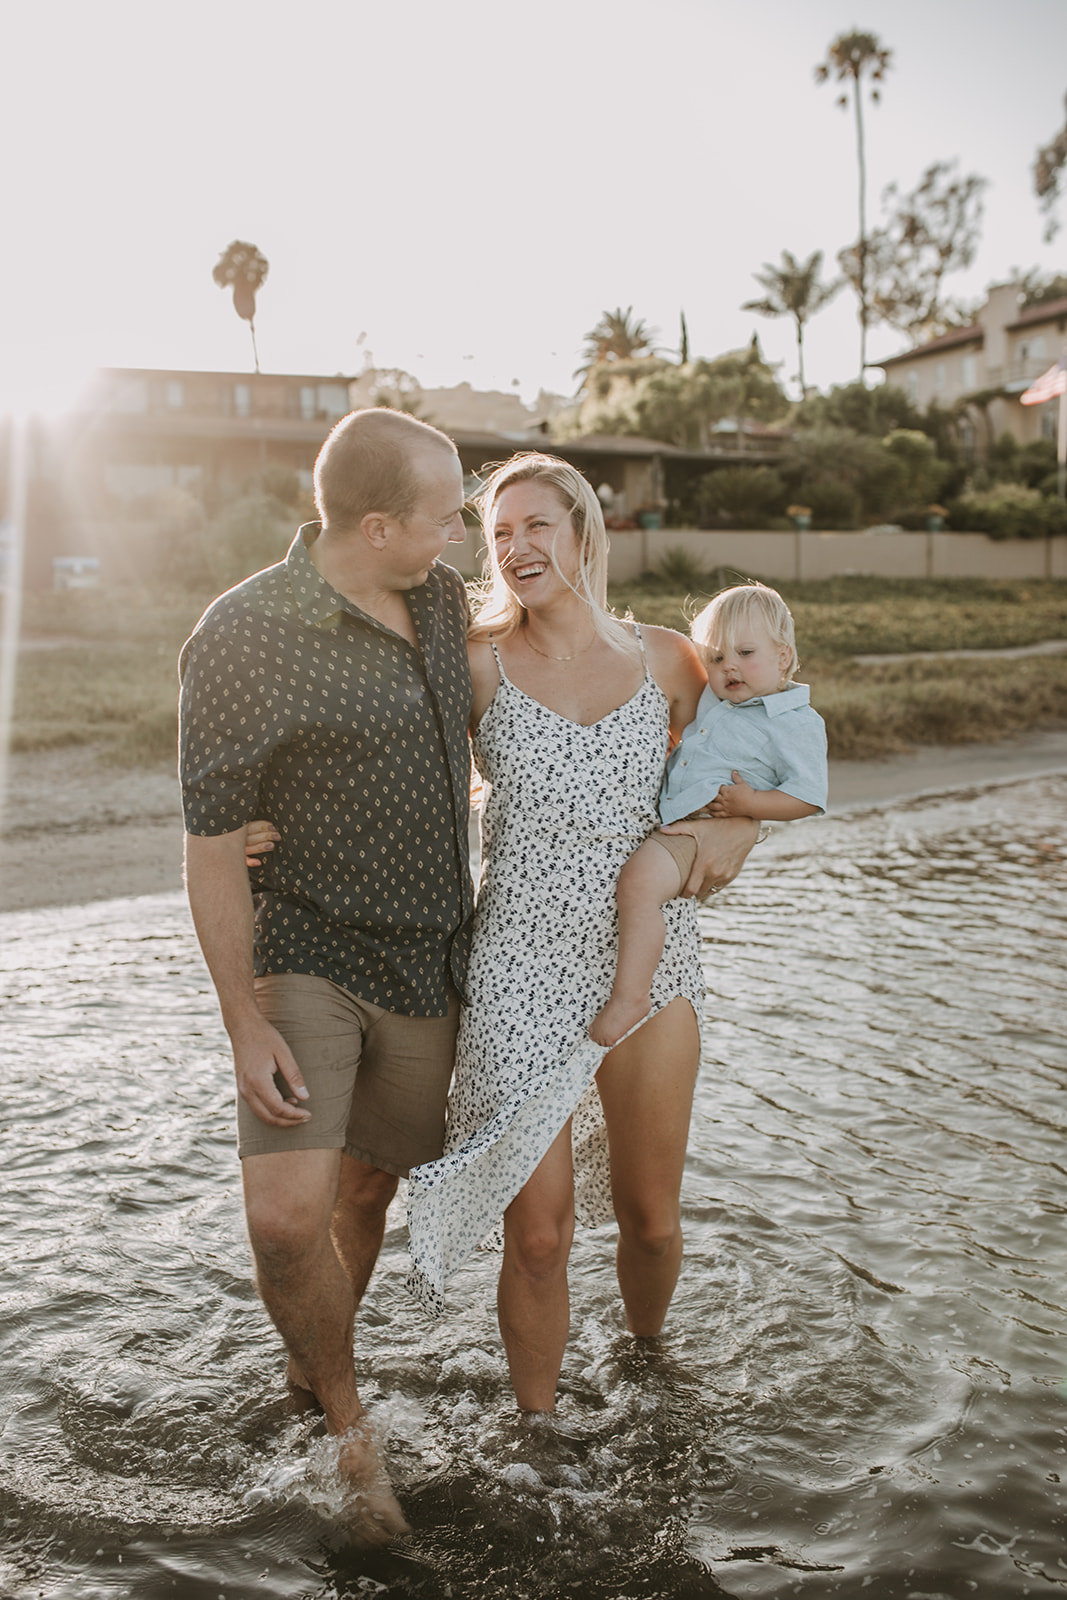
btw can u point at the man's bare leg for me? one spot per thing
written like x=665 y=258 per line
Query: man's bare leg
x=357 y=1228
x=290 y=1199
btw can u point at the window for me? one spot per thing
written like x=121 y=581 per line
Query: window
x=333 y=400
x=131 y=395
x=913 y=386
x=308 y=407
x=242 y=400
x=174 y=394
x=969 y=372
x=939 y=375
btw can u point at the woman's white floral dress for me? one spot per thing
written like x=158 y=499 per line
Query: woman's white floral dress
x=567 y=805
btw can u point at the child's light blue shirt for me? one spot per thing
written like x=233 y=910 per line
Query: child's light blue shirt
x=775 y=741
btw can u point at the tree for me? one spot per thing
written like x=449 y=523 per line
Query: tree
x=793 y=290
x=929 y=233
x=1048 y=167
x=681 y=405
x=618 y=336
x=244 y=269
x=1038 y=290
x=855 y=56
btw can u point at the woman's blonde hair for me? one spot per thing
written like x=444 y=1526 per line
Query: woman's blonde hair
x=722 y=619
x=497 y=609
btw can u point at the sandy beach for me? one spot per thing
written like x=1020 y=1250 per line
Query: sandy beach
x=76 y=830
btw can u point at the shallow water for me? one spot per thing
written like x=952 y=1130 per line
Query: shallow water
x=862 y=1389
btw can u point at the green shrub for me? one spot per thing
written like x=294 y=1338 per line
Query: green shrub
x=833 y=504
x=921 y=474
x=247 y=536
x=1009 y=511
x=680 y=567
x=744 y=494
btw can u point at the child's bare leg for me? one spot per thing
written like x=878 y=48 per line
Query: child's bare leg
x=648 y=879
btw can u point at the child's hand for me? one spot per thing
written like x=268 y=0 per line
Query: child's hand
x=260 y=837
x=733 y=799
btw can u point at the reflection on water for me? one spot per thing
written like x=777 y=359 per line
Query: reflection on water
x=862 y=1391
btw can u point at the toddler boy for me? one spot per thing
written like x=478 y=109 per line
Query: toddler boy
x=755 y=749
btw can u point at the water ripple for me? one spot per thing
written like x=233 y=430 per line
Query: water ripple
x=862 y=1389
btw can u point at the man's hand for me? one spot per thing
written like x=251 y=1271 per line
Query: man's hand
x=723 y=844
x=221 y=902
x=268 y=1079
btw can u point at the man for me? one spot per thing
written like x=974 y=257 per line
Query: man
x=331 y=694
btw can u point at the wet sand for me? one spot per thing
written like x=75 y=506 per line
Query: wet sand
x=77 y=831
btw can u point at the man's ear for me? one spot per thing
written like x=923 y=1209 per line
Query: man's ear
x=375 y=529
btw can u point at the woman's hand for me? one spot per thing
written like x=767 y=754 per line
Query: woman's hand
x=723 y=844
x=260 y=839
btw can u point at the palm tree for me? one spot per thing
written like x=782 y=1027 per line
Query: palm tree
x=794 y=290
x=618 y=336
x=244 y=269
x=855 y=56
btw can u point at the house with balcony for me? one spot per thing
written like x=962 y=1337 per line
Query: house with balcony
x=981 y=370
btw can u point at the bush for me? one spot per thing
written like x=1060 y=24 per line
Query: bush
x=921 y=474
x=1009 y=511
x=842 y=475
x=678 y=566
x=249 y=535
x=833 y=504
x=744 y=494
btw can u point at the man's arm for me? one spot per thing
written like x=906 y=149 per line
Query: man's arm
x=221 y=903
x=722 y=849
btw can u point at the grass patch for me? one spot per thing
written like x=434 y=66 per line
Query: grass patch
x=115 y=683
x=882 y=709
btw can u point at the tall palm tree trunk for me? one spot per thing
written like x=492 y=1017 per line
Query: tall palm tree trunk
x=861 y=156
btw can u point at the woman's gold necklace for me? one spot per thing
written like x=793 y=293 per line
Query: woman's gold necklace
x=546 y=655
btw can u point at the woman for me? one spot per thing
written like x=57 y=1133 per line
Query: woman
x=573 y=713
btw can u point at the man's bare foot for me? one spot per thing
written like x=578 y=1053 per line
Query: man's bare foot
x=374 y=1514
x=617 y=1018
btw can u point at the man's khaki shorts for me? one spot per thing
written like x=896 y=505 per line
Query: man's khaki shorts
x=377 y=1081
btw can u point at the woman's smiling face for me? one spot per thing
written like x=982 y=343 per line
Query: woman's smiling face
x=534 y=541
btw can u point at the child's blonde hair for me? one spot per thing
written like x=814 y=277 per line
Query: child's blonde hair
x=722 y=619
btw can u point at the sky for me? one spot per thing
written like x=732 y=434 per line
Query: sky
x=460 y=189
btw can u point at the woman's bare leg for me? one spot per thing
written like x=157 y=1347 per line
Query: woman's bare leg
x=646 y=1088
x=533 y=1301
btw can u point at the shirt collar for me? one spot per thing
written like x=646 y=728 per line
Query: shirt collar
x=319 y=603
x=798 y=694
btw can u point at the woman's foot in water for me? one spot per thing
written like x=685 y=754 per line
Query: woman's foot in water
x=618 y=1017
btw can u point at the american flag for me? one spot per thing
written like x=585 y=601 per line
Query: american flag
x=1048 y=386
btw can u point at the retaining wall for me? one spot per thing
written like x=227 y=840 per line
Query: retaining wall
x=819 y=555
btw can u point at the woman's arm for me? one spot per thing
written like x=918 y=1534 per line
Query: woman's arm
x=674 y=662
x=484 y=676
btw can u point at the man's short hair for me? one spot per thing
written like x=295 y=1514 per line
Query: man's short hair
x=369 y=463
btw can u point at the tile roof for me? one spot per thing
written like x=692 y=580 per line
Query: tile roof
x=1051 y=311
x=972 y=334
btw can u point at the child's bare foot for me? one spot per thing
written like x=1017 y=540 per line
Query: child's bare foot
x=617 y=1018
x=374 y=1514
